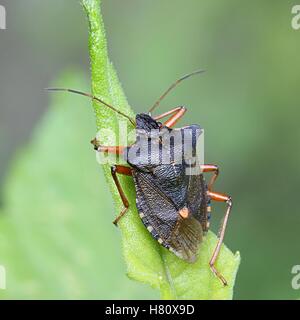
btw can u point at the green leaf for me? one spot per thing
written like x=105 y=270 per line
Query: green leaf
x=146 y=260
x=56 y=236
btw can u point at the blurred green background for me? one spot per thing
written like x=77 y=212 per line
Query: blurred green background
x=247 y=101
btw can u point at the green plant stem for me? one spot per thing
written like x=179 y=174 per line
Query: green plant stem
x=102 y=72
x=146 y=260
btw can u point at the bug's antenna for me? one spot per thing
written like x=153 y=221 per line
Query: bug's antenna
x=93 y=98
x=172 y=87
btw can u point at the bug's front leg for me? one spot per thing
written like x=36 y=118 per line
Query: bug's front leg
x=109 y=149
x=177 y=114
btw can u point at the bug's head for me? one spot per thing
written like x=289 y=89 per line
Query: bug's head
x=146 y=123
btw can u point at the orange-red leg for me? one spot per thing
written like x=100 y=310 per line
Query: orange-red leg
x=109 y=149
x=223 y=198
x=117 y=169
x=211 y=168
x=177 y=115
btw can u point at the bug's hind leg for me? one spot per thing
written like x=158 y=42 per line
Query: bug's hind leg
x=223 y=198
x=117 y=169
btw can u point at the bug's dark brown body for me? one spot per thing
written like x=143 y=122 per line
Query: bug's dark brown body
x=161 y=214
x=171 y=203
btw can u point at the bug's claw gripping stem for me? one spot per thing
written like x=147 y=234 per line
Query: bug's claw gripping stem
x=95 y=143
x=218 y=275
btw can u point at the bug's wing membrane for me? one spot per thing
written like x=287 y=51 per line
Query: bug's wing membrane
x=161 y=217
x=186 y=238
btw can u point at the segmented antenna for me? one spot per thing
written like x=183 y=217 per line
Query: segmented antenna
x=172 y=87
x=93 y=98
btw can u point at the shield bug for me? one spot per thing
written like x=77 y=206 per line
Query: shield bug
x=174 y=205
